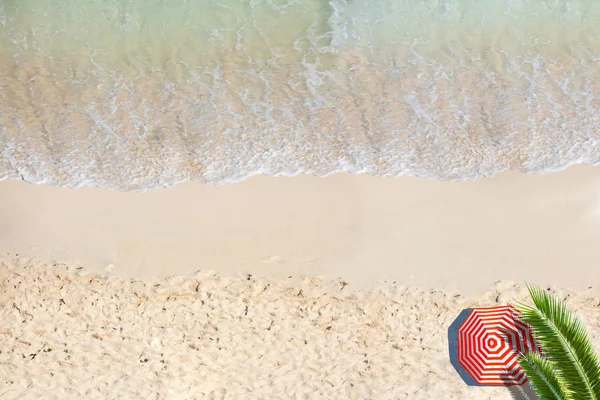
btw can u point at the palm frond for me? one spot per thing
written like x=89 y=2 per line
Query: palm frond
x=542 y=377
x=565 y=343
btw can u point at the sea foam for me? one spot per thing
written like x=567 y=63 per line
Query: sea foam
x=134 y=94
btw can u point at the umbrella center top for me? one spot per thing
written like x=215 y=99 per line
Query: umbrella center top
x=493 y=343
x=489 y=342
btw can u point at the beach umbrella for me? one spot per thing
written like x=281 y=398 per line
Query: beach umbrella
x=489 y=343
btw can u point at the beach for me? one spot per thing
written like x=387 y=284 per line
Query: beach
x=287 y=199
x=366 y=230
x=69 y=333
x=339 y=287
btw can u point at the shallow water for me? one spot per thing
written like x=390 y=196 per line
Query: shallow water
x=134 y=94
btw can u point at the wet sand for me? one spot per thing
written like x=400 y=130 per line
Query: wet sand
x=365 y=230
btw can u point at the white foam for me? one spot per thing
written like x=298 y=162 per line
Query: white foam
x=143 y=96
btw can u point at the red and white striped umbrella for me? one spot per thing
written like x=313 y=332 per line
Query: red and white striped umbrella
x=489 y=343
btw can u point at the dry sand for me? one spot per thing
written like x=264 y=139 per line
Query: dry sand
x=398 y=259
x=69 y=333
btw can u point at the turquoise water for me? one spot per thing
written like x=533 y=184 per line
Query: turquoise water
x=135 y=94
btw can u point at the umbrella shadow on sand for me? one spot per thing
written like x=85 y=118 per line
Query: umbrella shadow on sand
x=524 y=392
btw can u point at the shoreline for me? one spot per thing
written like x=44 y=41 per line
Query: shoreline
x=311 y=174
x=364 y=230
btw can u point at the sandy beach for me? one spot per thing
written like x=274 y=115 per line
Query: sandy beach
x=365 y=230
x=70 y=333
x=291 y=199
x=277 y=288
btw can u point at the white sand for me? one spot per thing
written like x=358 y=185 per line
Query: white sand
x=452 y=235
x=69 y=333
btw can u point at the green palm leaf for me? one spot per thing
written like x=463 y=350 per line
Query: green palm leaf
x=565 y=343
x=542 y=377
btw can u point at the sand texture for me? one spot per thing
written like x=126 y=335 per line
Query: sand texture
x=460 y=236
x=340 y=287
x=70 y=333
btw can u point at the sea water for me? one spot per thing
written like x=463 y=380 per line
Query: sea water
x=136 y=94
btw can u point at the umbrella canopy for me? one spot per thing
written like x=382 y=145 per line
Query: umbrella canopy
x=489 y=343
